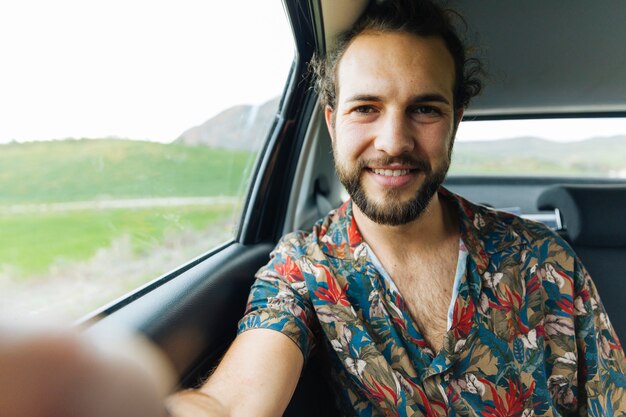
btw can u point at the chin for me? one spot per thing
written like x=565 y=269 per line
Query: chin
x=395 y=207
x=391 y=210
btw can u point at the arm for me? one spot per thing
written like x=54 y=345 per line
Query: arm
x=259 y=373
x=257 y=376
x=60 y=373
x=586 y=362
x=601 y=367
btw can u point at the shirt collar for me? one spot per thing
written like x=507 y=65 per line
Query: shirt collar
x=339 y=235
x=485 y=231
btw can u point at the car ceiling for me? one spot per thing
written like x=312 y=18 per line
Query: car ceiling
x=542 y=57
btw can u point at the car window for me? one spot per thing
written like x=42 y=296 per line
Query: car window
x=583 y=147
x=128 y=133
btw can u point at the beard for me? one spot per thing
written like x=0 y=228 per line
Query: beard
x=392 y=211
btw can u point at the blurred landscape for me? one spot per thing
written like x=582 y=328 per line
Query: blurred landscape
x=102 y=217
x=83 y=221
x=603 y=157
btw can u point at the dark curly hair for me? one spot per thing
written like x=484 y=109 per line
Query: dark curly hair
x=420 y=17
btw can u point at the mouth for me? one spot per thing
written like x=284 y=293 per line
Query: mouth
x=392 y=177
x=391 y=172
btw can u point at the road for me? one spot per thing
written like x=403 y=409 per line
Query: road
x=136 y=203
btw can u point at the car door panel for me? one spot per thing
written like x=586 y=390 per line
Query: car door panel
x=193 y=318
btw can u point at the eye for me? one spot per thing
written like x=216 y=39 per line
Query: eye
x=425 y=110
x=365 y=109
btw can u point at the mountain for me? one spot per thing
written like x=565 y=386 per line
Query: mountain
x=602 y=156
x=242 y=127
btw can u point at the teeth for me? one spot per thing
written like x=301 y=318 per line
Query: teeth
x=391 y=172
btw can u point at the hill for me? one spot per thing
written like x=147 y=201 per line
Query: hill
x=79 y=170
x=241 y=127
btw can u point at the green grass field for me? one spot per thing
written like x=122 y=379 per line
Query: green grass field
x=79 y=170
x=31 y=174
x=31 y=243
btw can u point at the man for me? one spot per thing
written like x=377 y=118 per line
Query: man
x=425 y=303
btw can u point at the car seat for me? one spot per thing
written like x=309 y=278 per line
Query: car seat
x=594 y=223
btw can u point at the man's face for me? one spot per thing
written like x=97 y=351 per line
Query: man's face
x=393 y=126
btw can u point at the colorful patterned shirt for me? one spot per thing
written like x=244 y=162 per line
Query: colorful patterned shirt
x=529 y=335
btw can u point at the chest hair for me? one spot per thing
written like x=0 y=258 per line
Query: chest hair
x=426 y=284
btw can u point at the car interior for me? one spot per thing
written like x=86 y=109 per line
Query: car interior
x=544 y=60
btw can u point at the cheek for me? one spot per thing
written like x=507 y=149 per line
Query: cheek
x=437 y=141
x=351 y=140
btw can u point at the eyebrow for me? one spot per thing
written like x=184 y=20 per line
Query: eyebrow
x=420 y=98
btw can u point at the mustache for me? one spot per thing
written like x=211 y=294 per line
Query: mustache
x=405 y=161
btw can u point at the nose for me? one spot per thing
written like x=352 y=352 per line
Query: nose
x=394 y=137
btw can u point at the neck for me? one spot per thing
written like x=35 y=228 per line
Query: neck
x=437 y=223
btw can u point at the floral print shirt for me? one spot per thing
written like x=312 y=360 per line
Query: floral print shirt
x=529 y=335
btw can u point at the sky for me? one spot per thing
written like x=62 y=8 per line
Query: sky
x=151 y=69
x=140 y=69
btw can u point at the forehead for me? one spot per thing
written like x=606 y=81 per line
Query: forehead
x=395 y=63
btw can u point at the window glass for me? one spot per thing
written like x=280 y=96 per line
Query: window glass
x=546 y=147
x=128 y=131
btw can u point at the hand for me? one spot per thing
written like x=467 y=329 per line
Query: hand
x=60 y=373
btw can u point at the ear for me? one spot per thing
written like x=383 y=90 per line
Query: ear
x=330 y=124
x=458 y=116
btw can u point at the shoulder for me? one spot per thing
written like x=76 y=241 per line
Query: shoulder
x=526 y=246
x=326 y=235
x=498 y=225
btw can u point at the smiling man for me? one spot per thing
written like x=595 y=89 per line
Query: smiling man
x=424 y=303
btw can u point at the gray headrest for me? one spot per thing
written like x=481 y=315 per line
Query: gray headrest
x=594 y=215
